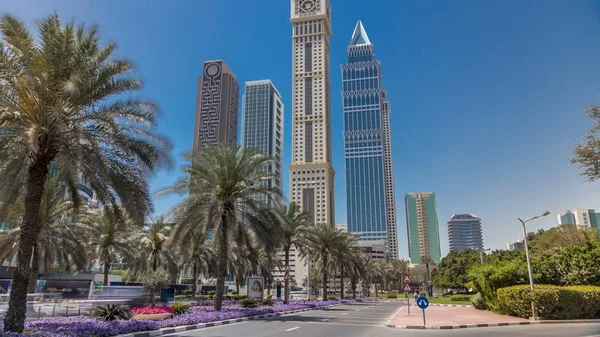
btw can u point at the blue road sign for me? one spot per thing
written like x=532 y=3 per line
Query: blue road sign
x=423 y=302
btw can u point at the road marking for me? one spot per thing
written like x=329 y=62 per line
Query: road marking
x=326 y=319
x=345 y=314
x=292 y=329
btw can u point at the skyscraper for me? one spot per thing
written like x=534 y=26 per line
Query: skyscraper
x=311 y=173
x=369 y=172
x=262 y=125
x=464 y=232
x=216 y=106
x=422 y=226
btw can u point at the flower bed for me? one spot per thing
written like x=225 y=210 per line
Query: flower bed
x=91 y=327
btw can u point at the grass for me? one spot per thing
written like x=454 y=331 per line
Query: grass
x=447 y=300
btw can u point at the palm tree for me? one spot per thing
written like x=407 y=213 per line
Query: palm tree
x=323 y=241
x=400 y=268
x=66 y=99
x=195 y=253
x=356 y=270
x=59 y=240
x=152 y=253
x=241 y=260
x=267 y=263
x=226 y=195
x=111 y=238
x=370 y=273
x=345 y=258
x=428 y=262
x=292 y=221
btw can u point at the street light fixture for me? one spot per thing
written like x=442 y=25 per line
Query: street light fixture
x=523 y=222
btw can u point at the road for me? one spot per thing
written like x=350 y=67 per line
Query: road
x=367 y=320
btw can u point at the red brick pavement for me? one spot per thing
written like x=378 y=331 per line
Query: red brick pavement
x=438 y=316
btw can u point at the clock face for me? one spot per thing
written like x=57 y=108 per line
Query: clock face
x=308 y=5
x=212 y=70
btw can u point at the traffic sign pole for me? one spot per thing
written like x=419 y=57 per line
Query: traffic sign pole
x=408 y=297
x=424 y=317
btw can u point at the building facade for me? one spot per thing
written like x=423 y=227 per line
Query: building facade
x=262 y=125
x=375 y=249
x=582 y=217
x=216 y=106
x=517 y=245
x=311 y=172
x=369 y=173
x=422 y=226
x=464 y=232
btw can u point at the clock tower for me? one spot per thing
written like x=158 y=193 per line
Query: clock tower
x=311 y=172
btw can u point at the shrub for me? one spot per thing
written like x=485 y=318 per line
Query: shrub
x=211 y=293
x=552 y=302
x=248 y=303
x=180 y=308
x=113 y=312
x=477 y=301
x=460 y=298
x=188 y=292
x=268 y=302
x=269 y=296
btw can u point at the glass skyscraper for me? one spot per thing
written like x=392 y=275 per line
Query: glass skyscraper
x=262 y=125
x=369 y=178
x=464 y=232
x=422 y=226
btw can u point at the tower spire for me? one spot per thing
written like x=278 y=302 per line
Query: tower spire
x=360 y=35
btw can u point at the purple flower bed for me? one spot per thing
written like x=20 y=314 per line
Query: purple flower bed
x=91 y=327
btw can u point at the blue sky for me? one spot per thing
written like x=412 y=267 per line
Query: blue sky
x=487 y=96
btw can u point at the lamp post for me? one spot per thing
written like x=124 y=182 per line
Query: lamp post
x=481 y=253
x=523 y=222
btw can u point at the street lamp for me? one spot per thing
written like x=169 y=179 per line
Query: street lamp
x=523 y=222
x=481 y=253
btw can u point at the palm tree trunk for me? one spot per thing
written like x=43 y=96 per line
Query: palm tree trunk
x=222 y=265
x=106 y=270
x=35 y=267
x=194 y=276
x=286 y=291
x=353 y=285
x=237 y=286
x=342 y=282
x=14 y=319
x=325 y=272
x=376 y=293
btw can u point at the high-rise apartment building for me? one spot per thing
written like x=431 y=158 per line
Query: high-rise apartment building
x=262 y=125
x=311 y=173
x=582 y=217
x=464 y=232
x=371 y=201
x=422 y=226
x=216 y=106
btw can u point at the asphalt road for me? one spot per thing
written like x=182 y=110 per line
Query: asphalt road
x=367 y=320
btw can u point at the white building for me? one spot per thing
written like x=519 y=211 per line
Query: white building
x=311 y=173
x=582 y=217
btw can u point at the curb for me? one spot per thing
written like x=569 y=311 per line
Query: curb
x=183 y=328
x=489 y=325
x=451 y=305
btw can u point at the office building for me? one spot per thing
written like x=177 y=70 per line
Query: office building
x=262 y=125
x=582 y=217
x=216 y=106
x=311 y=172
x=422 y=226
x=369 y=173
x=464 y=232
x=375 y=249
x=517 y=245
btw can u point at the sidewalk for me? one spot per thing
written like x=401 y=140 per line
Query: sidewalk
x=448 y=317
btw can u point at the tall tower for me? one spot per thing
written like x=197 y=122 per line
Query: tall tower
x=216 y=106
x=422 y=226
x=262 y=125
x=369 y=173
x=464 y=232
x=311 y=173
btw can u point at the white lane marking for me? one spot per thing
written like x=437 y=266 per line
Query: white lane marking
x=345 y=314
x=326 y=319
x=292 y=329
x=178 y=334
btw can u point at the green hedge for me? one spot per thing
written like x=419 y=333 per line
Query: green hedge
x=460 y=298
x=552 y=302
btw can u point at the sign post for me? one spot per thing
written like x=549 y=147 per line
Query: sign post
x=423 y=303
x=407 y=289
